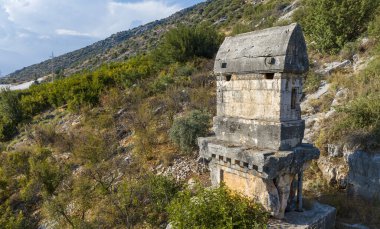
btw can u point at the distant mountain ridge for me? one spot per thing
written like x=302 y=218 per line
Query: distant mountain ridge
x=228 y=16
x=118 y=46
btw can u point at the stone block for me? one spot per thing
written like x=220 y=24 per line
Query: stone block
x=277 y=49
x=267 y=164
x=260 y=134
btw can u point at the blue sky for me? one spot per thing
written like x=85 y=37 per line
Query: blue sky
x=30 y=30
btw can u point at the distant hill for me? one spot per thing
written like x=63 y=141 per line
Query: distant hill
x=116 y=47
x=229 y=16
x=124 y=44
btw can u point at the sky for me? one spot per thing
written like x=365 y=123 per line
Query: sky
x=31 y=30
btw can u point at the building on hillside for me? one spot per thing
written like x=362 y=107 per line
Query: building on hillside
x=257 y=149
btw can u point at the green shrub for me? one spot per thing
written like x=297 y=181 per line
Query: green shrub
x=241 y=28
x=333 y=23
x=215 y=208
x=146 y=199
x=185 y=42
x=10 y=113
x=186 y=130
x=263 y=15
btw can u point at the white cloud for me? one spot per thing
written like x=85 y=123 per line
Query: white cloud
x=35 y=28
x=70 y=32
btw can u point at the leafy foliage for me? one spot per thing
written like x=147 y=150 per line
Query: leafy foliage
x=10 y=113
x=186 y=42
x=186 y=130
x=215 y=208
x=330 y=24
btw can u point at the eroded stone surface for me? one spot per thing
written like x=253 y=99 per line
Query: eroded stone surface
x=277 y=49
x=364 y=174
x=267 y=164
x=318 y=216
x=264 y=175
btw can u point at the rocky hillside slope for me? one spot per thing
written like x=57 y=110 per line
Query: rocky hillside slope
x=85 y=150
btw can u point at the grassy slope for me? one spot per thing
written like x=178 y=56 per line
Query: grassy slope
x=89 y=147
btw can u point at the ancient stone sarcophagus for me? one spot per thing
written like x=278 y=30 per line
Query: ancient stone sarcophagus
x=257 y=148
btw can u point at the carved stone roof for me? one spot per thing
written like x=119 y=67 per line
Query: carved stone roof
x=277 y=49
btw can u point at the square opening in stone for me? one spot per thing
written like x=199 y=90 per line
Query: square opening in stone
x=269 y=76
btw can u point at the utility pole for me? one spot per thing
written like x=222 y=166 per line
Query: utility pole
x=52 y=66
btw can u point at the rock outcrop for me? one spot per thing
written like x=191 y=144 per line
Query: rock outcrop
x=364 y=174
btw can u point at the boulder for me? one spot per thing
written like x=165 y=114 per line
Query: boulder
x=331 y=67
x=364 y=174
x=334 y=171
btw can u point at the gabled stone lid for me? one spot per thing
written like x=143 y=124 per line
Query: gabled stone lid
x=277 y=49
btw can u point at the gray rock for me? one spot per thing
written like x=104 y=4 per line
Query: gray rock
x=288 y=11
x=334 y=150
x=319 y=216
x=323 y=89
x=364 y=174
x=331 y=67
x=334 y=171
x=350 y=226
x=169 y=226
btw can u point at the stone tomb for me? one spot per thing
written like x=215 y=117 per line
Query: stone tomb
x=257 y=149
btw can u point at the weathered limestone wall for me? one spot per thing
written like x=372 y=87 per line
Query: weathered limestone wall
x=261 y=134
x=266 y=176
x=251 y=96
x=288 y=85
x=263 y=191
x=272 y=195
x=260 y=112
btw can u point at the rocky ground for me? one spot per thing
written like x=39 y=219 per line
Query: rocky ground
x=345 y=167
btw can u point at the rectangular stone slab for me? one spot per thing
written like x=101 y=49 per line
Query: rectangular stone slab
x=261 y=134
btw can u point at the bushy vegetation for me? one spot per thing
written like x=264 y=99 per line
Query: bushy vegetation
x=358 y=121
x=77 y=177
x=96 y=172
x=259 y=16
x=186 y=130
x=85 y=89
x=10 y=113
x=215 y=208
x=331 y=24
x=185 y=42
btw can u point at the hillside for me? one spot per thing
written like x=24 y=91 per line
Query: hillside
x=227 y=15
x=113 y=145
x=125 y=44
x=119 y=45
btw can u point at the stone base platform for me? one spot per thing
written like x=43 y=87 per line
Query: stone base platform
x=315 y=216
x=267 y=164
x=270 y=177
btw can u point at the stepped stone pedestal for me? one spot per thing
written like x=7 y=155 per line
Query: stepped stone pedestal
x=268 y=176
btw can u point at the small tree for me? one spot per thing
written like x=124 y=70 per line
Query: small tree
x=186 y=130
